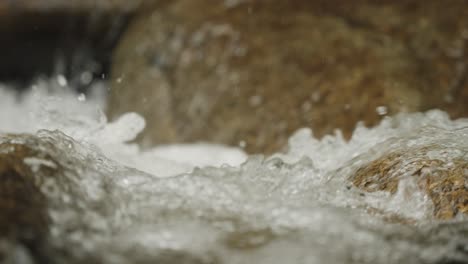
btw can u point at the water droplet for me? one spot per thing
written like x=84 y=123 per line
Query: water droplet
x=306 y=106
x=316 y=96
x=82 y=97
x=381 y=110
x=242 y=144
x=86 y=78
x=62 y=81
x=255 y=100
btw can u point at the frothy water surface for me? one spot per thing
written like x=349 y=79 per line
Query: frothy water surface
x=206 y=203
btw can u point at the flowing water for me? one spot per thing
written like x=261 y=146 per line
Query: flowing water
x=205 y=203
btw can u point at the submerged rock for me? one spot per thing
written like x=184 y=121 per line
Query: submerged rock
x=36 y=182
x=23 y=207
x=82 y=207
x=58 y=206
x=250 y=73
x=441 y=173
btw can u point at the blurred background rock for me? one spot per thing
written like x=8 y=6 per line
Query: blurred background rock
x=246 y=72
x=250 y=73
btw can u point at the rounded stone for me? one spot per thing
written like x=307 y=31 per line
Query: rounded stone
x=250 y=73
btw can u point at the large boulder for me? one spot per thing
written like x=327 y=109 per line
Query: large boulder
x=252 y=72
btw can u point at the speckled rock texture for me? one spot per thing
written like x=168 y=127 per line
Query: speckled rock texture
x=443 y=180
x=250 y=73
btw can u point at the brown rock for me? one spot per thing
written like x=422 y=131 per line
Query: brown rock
x=39 y=174
x=44 y=204
x=444 y=181
x=254 y=72
x=23 y=215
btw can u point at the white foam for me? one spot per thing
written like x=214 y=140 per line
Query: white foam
x=214 y=202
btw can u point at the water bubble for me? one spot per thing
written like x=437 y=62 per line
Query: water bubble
x=381 y=110
x=255 y=100
x=242 y=144
x=86 y=78
x=81 y=97
x=61 y=80
x=298 y=206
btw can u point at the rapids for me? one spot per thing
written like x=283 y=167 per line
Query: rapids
x=206 y=203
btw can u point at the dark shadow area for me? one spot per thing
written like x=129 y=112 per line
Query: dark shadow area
x=76 y=44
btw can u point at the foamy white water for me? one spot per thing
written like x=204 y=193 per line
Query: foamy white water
x=205 y=203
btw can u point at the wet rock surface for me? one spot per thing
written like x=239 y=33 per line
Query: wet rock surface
x=47 y=214
x=34 y=184
x=250 y=73
x=437 y=172
x=83 y=207
x=23 y=208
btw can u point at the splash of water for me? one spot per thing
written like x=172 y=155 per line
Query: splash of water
x=205 y=203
